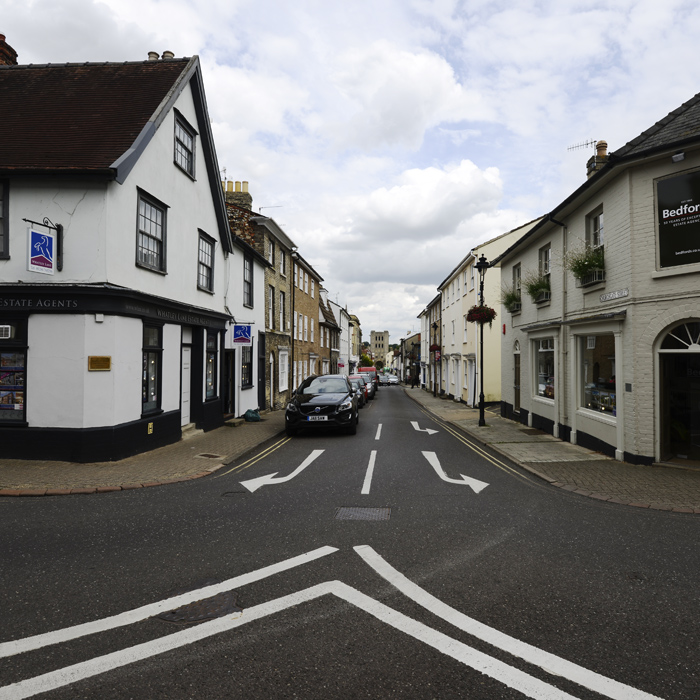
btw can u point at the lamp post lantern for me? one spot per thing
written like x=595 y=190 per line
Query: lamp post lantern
x=434 y=327
x=482 y=265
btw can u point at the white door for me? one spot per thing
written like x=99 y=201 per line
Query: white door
x=185 y=385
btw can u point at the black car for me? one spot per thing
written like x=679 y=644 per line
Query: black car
x=327 y=401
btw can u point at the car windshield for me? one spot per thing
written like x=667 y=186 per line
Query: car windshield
x=326 y=385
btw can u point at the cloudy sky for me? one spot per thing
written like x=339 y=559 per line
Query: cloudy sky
x=388 y=137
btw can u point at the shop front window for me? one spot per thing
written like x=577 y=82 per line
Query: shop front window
x=545 y=367
x=152 y=352
x=598 y=390
x=13 y=356
x=211 y=383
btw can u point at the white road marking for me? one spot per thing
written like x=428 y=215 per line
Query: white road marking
x=370 y=472
x=501 y=672
x=423 y=430
x=379 y=432
x=475 y=485
x=548 y=662
x=19 y=646
x=255 y=484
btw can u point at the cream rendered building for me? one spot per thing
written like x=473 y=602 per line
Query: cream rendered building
x=460 y=338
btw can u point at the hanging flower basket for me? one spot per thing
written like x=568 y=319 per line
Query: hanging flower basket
x=434 y=347
x=481 y=314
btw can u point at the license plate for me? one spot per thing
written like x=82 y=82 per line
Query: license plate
x=318 y=417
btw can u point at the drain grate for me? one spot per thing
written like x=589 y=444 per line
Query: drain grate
x=362 y=513
x=208 y=609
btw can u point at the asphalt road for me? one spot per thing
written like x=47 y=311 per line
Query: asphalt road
x=497 y=586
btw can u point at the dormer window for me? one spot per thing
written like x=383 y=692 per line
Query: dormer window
x=184 y=146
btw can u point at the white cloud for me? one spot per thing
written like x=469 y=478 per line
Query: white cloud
x=405 y=131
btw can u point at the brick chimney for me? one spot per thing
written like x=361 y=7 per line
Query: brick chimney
x=600 y=158
x=8 y=56
x=240 y=197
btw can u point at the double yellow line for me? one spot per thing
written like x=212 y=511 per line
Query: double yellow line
x=256 y=458
x=474 y=447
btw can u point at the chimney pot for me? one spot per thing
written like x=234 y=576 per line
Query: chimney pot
x=238 y=186
x=152 y=55
x=168 y=54
x=8 y=56
x=229 y=186
x=245 y=185
x=601 y=149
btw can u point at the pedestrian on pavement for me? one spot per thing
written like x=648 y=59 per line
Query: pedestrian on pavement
x=413 y=382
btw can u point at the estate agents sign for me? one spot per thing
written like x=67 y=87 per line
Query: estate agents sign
x=41 y=252
x=678 y=201
x=242 y=334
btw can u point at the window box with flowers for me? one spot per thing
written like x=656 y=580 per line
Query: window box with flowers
x=587 y=265
x=510 y=298
x=481 y=314
x=537 y=287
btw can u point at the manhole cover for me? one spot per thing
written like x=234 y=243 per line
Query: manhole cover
x=362 y=513
x=207 y=609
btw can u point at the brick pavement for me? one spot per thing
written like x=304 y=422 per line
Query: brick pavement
x=571 y=467
x=195 y=457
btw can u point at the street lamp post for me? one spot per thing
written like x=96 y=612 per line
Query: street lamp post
x=434 y=327
x=482 y=265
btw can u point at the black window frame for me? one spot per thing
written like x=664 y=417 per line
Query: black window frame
x=247 y=367
x=15 y=345
x=248 y=281
x=202 y=265
x=152 y=351
x=180 y=146
x=163 y=209
x=211 y=364
x=4 y=220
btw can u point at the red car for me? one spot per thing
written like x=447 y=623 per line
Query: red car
x=360 y=384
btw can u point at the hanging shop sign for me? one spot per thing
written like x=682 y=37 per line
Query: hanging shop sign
x=678 y=201
x=41 y=252
x=242 y=334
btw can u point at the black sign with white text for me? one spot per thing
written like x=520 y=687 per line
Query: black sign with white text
x=678 y=200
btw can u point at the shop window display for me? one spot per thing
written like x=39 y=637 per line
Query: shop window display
x=598 y=373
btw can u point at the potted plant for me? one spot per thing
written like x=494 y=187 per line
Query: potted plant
x=587 y=265
x=481 y=314
x=537 y=287
x=510 y=298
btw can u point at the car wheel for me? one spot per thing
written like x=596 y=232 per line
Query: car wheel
x=291 y=432
x=352 y=428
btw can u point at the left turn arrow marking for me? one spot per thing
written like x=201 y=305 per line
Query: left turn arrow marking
x=255 y=484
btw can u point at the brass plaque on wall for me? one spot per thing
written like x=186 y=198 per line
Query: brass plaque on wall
x=99 y=363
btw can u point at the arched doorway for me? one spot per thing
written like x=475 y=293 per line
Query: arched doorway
x=679 y=363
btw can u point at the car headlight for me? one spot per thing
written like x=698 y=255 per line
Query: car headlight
x=291 y=407
x=346 y=405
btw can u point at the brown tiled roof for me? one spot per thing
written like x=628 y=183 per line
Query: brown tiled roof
x=78 y=117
